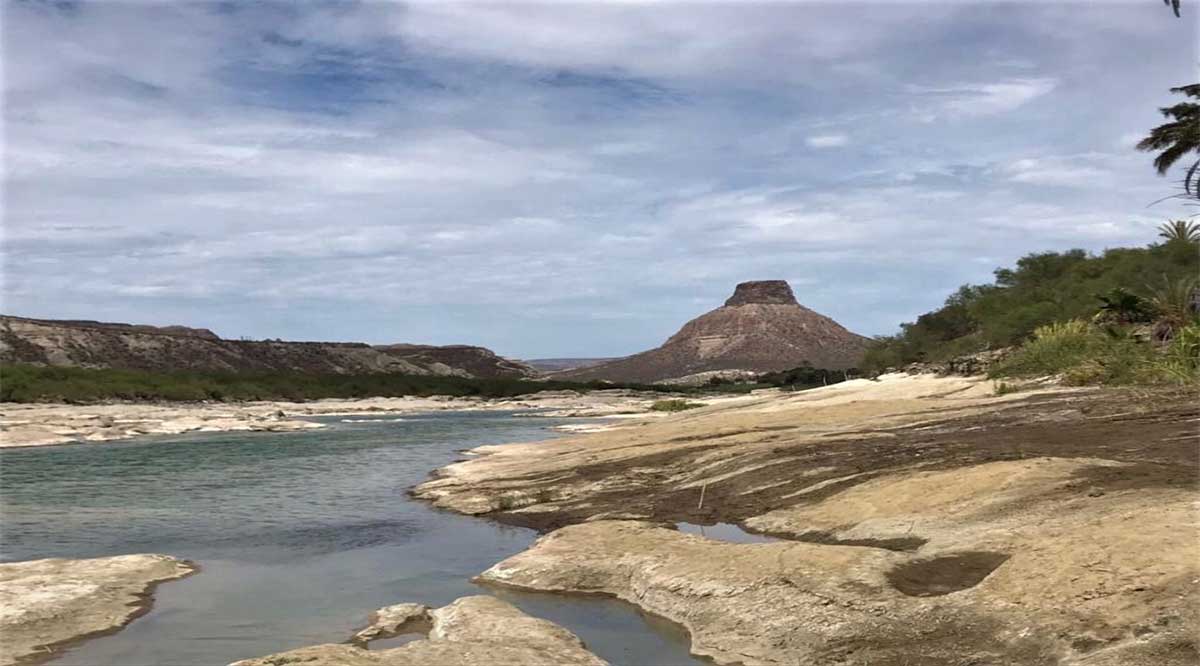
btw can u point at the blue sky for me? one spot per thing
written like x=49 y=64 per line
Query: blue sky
x=568 y=179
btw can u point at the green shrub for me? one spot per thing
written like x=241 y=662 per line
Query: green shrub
x=1084 y=354
x=1041 y=289
x=1180 y=360
x=675 y=405
x=28 y=383
x=1053 y=349
x=1004 y=388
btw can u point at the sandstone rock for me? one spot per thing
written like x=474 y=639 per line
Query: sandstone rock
x=472 y=631
x=46 y=604
x=934 y=522
x=394 y=620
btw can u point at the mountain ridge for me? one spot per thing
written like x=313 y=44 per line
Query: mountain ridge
x=96 y=344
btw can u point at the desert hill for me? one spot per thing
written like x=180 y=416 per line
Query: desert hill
x=93 y=344
x=761 y=328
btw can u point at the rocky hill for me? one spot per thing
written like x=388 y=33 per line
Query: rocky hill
x=94 y=344
x=761 y=328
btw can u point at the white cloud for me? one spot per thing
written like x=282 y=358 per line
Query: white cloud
x=827 y=140
x=983 y=99
x=441 y=172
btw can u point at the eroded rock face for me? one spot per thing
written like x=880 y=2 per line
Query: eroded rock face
x=763 y=292
x=472 y=631
x=46 y=604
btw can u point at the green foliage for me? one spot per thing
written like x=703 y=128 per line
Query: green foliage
x=1184 y=231
x=1004 y=388
x=1084 y=354
x=674 y=405
x=1121 y=306
x=1041 y=289
x=27 y=383
x=805 y=376
x=1175 y=139
x=1180 y=361
x=1173 y=304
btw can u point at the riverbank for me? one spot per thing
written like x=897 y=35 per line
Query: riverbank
x=925 y=519
x=23 y=425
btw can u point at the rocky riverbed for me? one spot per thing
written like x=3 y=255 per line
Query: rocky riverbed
x=48 y=424
x=926 y=520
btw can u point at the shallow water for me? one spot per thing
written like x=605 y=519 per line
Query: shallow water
x=298 y=535
x=725 y=532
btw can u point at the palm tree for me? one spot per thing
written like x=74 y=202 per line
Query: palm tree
x=1179 y=230
x=1178 y=137
x=1121 y=306
x=1174 y=305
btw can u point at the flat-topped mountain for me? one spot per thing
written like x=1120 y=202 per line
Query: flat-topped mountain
x=92 y=344
x=761 y=328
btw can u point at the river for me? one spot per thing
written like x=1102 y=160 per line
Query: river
x=298 y=535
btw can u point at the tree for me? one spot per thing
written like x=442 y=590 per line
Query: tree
x=1177 y=138
x=1179 y=230
x=1173 y=4
x=1121 y=306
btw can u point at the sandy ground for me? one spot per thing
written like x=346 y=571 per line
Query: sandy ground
x=925 y=520
x=48 y=424
x=48 y=604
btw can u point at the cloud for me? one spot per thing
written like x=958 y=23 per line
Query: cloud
x=556 y=179
x=828 y=140
x=982 y=99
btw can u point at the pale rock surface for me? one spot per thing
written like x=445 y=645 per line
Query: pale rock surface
x=392 y=621
x=932 y=522
x=472 y=631
x=45 y=604
x=49 y=424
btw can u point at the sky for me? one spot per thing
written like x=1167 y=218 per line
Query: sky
x=567 y=179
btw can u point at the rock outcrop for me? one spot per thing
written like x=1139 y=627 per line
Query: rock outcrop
x=90 y=344
x=922 y=520
x=472 y=631
x=47 y=604
x=761 y=328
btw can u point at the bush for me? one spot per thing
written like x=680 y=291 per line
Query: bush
x=674 y=405
x=1041 y=289
x=28 y=383
x=1084 y=354
x=1180 y=361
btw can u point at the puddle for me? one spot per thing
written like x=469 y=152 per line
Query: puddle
x=943 y=575
x=394 y=641
x=725 y=532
